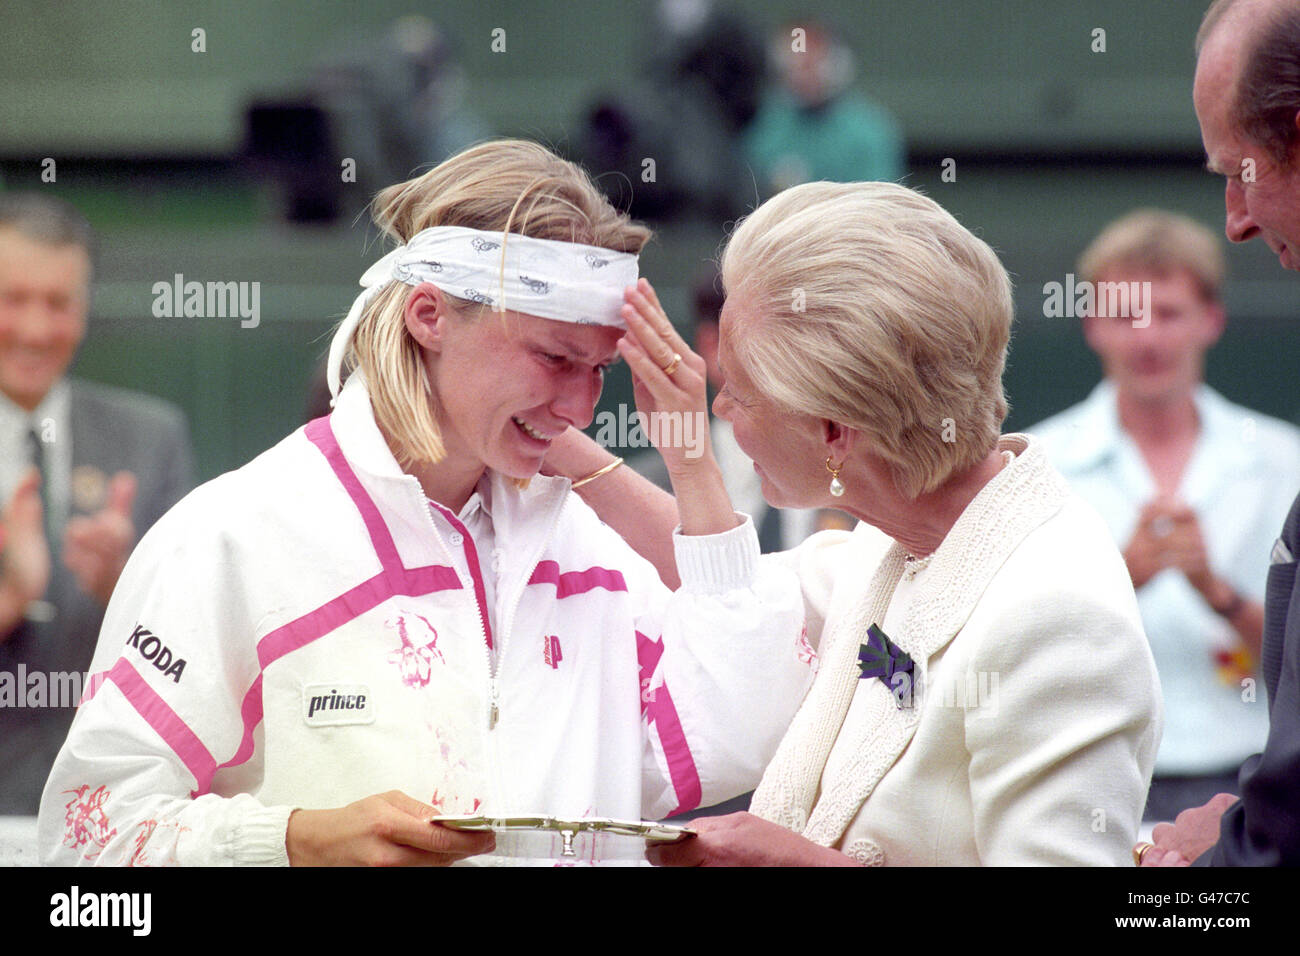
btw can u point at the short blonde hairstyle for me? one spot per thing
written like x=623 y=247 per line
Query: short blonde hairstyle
x=1153 y=240
x=507 y=186
x=874 y=308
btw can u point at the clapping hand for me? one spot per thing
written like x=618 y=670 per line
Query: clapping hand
x=1168 y=535
x=95 y=547
x=24 y=552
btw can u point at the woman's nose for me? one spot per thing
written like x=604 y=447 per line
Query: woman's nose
x=721 y=406
x=576 y=401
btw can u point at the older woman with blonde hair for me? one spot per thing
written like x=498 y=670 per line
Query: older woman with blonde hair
x=984 y=693
x=390 y=617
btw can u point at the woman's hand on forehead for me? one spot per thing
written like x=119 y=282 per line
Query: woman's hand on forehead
x=668 y=379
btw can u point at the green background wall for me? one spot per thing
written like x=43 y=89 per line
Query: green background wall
x=1051 y=141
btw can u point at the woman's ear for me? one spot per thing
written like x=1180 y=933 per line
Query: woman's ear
x=839 y=439
x=426 y=314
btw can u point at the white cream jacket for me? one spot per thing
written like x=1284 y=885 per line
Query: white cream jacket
x=1028 y=733
x=293 y=634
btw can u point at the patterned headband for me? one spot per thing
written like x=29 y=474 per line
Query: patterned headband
x=564 y=281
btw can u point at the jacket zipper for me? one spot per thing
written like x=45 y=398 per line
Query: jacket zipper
x=494 y=710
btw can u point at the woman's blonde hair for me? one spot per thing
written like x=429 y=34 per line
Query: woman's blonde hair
x=871 y=306
x=507 y=186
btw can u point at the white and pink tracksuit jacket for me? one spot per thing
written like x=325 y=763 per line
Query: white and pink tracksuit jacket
x=296 y=634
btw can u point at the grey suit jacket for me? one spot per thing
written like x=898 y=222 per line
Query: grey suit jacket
x=1263 y=827
x=112 y=430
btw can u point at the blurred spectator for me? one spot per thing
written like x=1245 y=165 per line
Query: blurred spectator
x=814 y=126
x=673 y=134
x=399 y=104
x=83 y=469
x=391 y=106
x=1192 y=486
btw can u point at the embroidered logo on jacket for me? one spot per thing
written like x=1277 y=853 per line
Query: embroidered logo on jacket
x=156 y=652
x=329 y=705
x=86 y=822
x=164 y=836
x=414 y=659
x=551 y=651
x=804 y=652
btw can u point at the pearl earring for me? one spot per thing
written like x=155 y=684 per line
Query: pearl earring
x=837 y=486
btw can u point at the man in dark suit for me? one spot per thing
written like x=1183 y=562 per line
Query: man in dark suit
x=83 y=469
x=1247 y=98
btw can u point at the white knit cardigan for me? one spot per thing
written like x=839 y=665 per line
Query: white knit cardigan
x=1028 y=591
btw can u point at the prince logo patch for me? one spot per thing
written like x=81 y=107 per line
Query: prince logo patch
x=551 y=651
x=329 y=705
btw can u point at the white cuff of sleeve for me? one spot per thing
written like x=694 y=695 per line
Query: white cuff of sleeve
x=717 y=563
x=259 y=838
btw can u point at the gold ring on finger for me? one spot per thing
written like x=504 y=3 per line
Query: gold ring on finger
x=672 y=366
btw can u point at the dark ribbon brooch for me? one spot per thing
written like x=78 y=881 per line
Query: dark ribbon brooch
x=880 y=657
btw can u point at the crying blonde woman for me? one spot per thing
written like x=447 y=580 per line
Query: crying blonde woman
x=392 y=615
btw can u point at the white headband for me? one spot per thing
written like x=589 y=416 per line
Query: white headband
x=556 y=280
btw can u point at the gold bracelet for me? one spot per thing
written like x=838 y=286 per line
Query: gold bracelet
x=596 y=474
